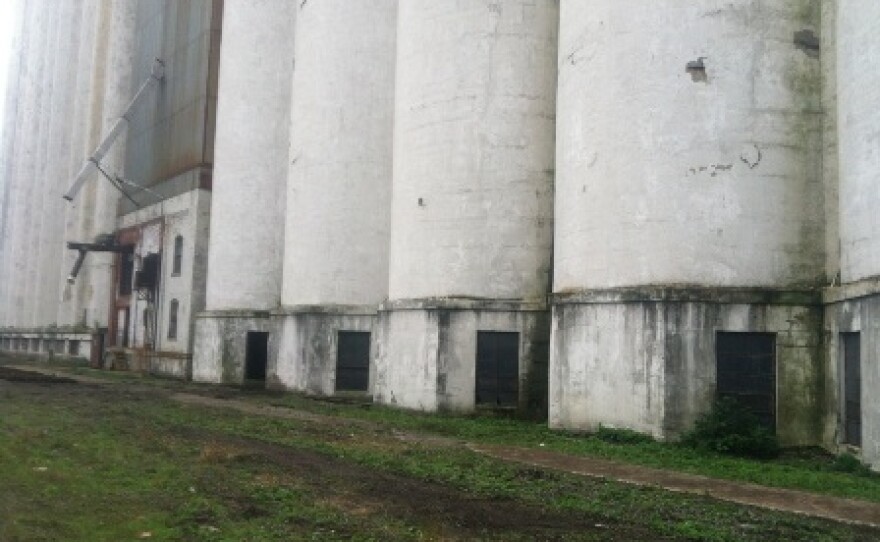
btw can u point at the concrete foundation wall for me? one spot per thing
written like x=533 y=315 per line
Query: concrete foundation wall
x=307 y=352
x=650 y=366
x=426 y=358
x=862 y=315
x=220 y=344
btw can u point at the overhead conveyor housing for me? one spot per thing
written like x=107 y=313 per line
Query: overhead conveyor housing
x=93 y=163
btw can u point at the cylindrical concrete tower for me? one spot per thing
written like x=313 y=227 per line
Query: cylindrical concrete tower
x=471 y=237
x=82 y=144
x=853 y=309
x=689 y=200
x=249 y=187
x=339 y=191
x=14 y=102
x=25 y=166
x=55 y=173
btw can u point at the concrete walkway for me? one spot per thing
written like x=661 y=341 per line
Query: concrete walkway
x=784 y=500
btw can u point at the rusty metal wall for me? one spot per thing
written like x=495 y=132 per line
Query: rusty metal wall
x=173 y=132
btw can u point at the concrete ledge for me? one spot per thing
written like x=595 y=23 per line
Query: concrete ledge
x=235 y=313
x=341 y=310
x=686 y=294
x=466 y=303
x=852 y=290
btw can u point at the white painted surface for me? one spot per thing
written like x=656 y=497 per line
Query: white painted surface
x=185 y=215
x=473 y=149
x=336 y=245
x=251 y=148
x=664 y=180
x=858 y=83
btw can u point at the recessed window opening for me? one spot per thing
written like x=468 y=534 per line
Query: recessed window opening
x=177 y=261
x=173 y=308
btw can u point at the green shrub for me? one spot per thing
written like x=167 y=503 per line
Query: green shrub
x=730 y=428
x=850 y=464
x=621 y=436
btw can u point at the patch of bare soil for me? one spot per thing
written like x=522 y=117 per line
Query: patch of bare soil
x=15 y=375
x=444 y=511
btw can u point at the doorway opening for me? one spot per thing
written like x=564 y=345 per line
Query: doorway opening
x=497 y=382
x=746 y=372
x=353 y=361
x=852 y=388
x=256 y=356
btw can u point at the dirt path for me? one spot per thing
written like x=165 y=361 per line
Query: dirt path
x=785 y=500
x=446 y=513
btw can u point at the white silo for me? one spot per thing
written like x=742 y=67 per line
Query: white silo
x=249 y=185
x=471 y=218
x=338 y=199
x=853 y=309
x=689 y=204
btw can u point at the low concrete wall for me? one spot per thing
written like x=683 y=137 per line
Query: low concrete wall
x=426 y=357
x=220 y=344
x=307 y=351
x=650 y=365
x=46 y=343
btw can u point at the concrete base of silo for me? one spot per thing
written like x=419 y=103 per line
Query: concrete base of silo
x=427 y=353
x=644 y=359
x=308 y=346
x=854 y=310
x=220 y=345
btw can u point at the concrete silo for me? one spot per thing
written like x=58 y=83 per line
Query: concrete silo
x=249 y=186
x=471 y=220
x=853 y=310
x=689 y=214
x=338 y=198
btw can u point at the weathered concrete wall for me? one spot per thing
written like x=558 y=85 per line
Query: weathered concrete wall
x=221 y=344
x=847 y=313
x=689 y=157
x=471 y=218
x=339 y=189
x=250 y=173
x=830 y=161
x=82 y=144
x=858 y=91
x=186 y=215
x=339 y=193
x=11 y=140
x=473 y=149
x=650 y=365
x=307 y=349
x=425 y=358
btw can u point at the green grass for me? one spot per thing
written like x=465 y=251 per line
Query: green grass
x=87 y=463
x=807 y=470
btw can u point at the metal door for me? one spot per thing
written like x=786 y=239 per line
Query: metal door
x=746 y=365
x=256 y=355
x=353 y=361
x=852 y=388
x=497 y=369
